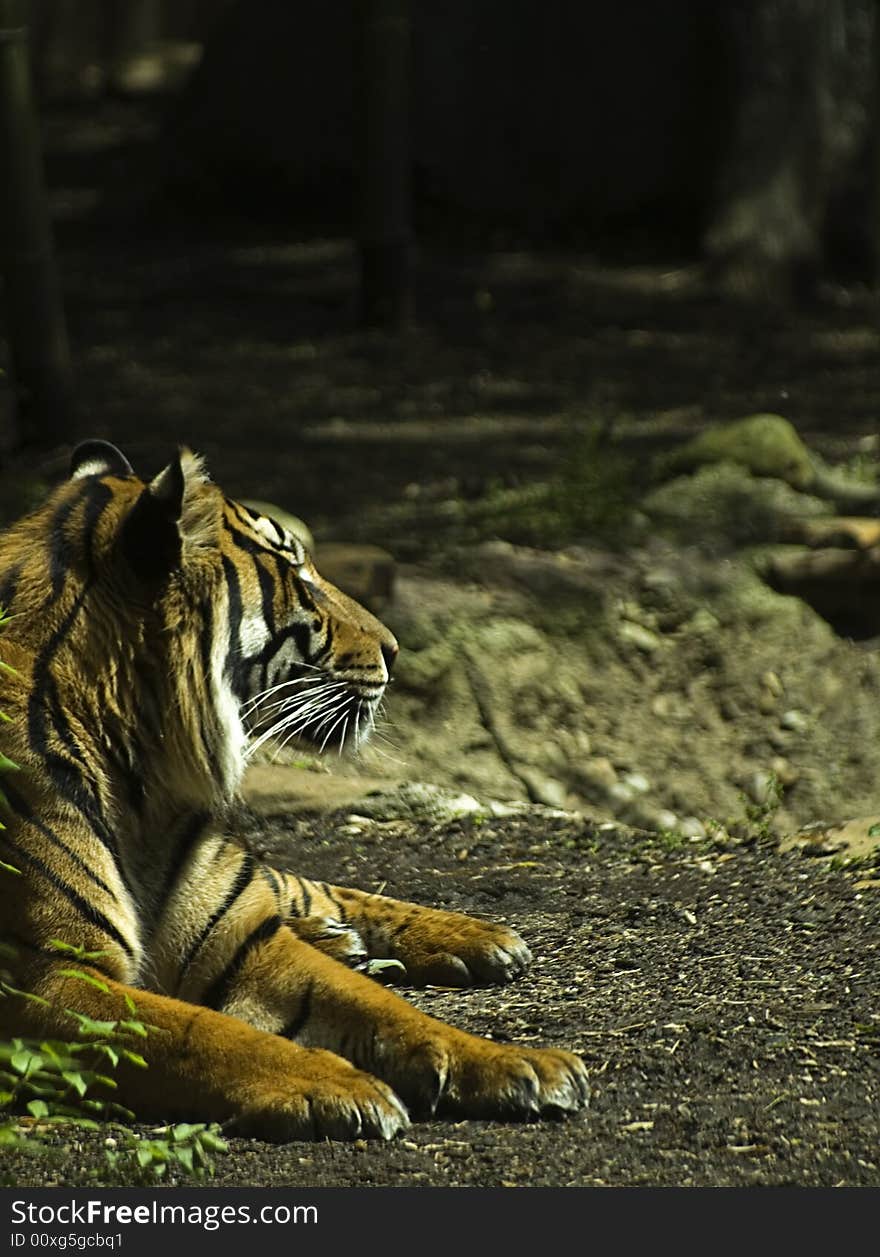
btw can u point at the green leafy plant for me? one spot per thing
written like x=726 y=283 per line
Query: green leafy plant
x=57 y=1081
x=50 y=1082
x=186 y=1147
x=753 y=825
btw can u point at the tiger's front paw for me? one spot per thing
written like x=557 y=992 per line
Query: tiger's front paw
x=514 y=1082
x=326 y=1098
x=449 y=949
x=467 y=1076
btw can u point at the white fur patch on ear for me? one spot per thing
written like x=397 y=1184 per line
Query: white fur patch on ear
x=200 y=519
x=98 y=458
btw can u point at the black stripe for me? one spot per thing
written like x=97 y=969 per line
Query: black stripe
x=243 y=515
x=243 y=879
x=99 y=497
x=68 y=780
x=328 y=891
x=306 y=600
x=85 y=909
x=285 y=565
x=298 y=1021
x=58 y=719
x=249 y=544
x=37 y=721
x=60 y=549
x=185 y=844
x=233 y=654
x=206 y=644
x=17 y=803
x=306 y=897
x=270 y=877
x=218 y=993
x=267 y=593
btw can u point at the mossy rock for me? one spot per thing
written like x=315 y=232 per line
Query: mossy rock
x=726 y=505
x=765 y=445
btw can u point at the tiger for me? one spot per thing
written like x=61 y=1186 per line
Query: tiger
x=156 y=630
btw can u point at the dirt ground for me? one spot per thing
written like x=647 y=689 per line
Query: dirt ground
x=724 y=999
x=565 y=642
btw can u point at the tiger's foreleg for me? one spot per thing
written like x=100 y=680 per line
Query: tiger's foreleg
x=205 y=1065
x=233 y=950
x=433 y=945
x=282 y=983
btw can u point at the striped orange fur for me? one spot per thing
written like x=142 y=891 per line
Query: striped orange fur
x=158 y=629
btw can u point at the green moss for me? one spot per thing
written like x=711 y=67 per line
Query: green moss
x=766 y=445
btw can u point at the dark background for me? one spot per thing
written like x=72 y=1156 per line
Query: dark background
x=275 y=220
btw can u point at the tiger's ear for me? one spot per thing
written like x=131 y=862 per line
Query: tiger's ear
x=98 y=458
x=151 y=534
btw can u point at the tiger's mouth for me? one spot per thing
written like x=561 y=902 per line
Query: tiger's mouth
x=325 y=710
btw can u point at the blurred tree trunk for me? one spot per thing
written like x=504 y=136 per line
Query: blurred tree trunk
x=36 y=331
x=384 y=42
x=803 y=71
x=874 y=153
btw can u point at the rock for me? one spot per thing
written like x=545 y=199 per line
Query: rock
x=271 y=789
x=543 y=789
x=620 y=795
x=665 y=820
x=765 y=445
x=644 y=815
x=672 y=707
x=426 y=671
x=582 y=574
x=639 y=636
x=637 y=782
x=692 y=827
x=858 y=838
x=761 y=788
x=417 y=800
x=596 y=774
x=733 y=507
x=701 y=622
x=794 y=720
x=784 y=771
x=771 y=682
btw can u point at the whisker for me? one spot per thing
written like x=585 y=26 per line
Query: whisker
x=303 y=715
x=329 y=733
x=258 y=699
x=285 y=703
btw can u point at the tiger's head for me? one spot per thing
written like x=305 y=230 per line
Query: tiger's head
x=185 y=625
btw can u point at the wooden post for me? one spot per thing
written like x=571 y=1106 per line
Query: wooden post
x=382 y=103
x=38 y=347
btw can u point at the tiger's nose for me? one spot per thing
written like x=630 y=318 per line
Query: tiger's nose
x=390 y=651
